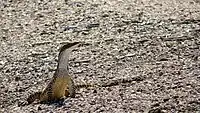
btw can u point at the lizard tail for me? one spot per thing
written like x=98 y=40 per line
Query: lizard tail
x=84 y=86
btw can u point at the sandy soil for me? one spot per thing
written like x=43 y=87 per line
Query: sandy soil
x=156 y=40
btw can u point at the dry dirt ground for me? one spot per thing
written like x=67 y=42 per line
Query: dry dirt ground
x=155 y=41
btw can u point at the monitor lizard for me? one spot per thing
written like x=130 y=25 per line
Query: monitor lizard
x=62 y=85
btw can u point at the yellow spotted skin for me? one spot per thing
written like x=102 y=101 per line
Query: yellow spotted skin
x=44 y=97
x=59 y=88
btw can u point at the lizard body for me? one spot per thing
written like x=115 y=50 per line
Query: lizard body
x=61 y=81
x=62 y=84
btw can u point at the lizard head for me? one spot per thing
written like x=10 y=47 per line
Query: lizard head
x=64 y=55
x=67 y=46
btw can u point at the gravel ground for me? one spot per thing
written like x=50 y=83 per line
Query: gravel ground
x=156 y=40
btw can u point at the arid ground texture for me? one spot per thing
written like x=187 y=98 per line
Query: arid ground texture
x=154 y=44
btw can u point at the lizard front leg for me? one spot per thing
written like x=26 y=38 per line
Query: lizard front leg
x=33 y=97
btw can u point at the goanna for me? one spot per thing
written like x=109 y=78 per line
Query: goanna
x=61 y=84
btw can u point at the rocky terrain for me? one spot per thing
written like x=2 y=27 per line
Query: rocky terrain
x=155 y=44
